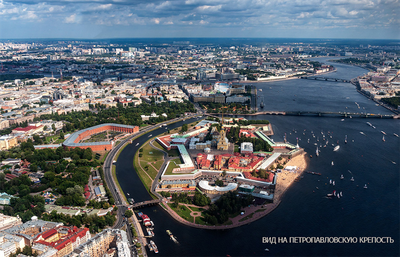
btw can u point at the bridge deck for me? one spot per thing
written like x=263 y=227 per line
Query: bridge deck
x=145 y=203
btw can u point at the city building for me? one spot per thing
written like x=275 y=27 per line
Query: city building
x=74 y=140
x=8 y=221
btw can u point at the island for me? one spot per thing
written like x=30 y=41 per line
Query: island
x=218 y=174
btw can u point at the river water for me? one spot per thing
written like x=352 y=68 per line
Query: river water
x=304 y=210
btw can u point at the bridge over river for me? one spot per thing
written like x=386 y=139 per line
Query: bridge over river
x=326 y=79
x=145 y=203
x=313 y=113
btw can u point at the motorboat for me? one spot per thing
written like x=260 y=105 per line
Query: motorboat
x=395 y=135
x=362 y=133
x=154 y=246
x=341 y=176
x=365 y=186
x=336 y=148
x=352 y=179
x=383 y=132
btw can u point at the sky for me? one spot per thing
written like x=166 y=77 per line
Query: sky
x=97 y=19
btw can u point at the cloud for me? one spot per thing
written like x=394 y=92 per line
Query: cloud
x=71 y=19
x=253 y=15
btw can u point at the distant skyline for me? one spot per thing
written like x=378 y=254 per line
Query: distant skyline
x=96 y=19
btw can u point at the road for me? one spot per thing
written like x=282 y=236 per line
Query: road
x=116 y=193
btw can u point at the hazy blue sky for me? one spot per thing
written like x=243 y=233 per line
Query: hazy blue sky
x=378 y=19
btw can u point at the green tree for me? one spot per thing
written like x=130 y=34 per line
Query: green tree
x=128 y=213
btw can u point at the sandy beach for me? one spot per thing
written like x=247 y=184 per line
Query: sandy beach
x=286 y=178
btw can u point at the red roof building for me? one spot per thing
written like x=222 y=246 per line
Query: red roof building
x=64 y=239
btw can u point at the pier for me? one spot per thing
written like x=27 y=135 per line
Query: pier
x=145 y=203
x=326 y=79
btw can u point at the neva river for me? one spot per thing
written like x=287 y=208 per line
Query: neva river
x=305 y=211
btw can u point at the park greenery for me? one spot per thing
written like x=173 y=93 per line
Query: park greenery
x=392 y=101
x=258 y=144
x=129 y=115
x=228 y=205
x=253 y=74
x=66 y=178
x=93 y=222
x=198 y=198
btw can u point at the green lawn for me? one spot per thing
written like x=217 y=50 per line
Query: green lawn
x=158 y=164
x=150 y=170
x=142 y=175
x=150 y=154
x=171 y=153
x=196 y=209
x=200 y=221
x=172 y=165
x=182 y=211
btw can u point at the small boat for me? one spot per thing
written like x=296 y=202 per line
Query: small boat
x=369 y=124
x=338 y=195
x=154 y=246
x=333 y=182
x=170 y=234
x=352 y=179
x=383 y=132
x=266 y=249
x=342 y=120
x=150 y=135
x=341 y=176
x=336 y=148
x=395 y=135
x=332 y=163
x=150 y=232
x=333 y=194
x=137 y=144
x=330 y=181
x=341 y=194
x=345 y=139
x=365 y=186
x=362 y=133
x=383 y=138
x=260 y=89
x=127 y=193
x=317 y=152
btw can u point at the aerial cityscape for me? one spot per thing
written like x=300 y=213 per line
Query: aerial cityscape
x=166 y=128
